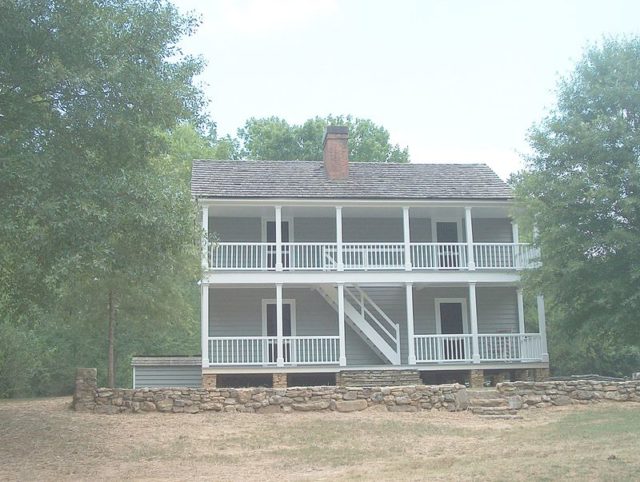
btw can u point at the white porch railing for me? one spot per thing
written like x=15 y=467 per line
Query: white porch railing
x=510 y=347
x=313 y=350
x=365 y=256
x=492 y=347
x=370 y=256
x=438 y=348
x=439 y=255
x=310 y=256
x=240 y=256
x=504 y=255
x=263 y=350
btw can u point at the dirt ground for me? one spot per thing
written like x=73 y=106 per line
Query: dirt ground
x=45 y=440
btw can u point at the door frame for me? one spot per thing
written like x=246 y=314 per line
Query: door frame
x=465 y=318
x=434 y=227
x=263 y=229
x=270 y=301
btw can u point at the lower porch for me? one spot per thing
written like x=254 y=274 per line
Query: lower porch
x=313 y=327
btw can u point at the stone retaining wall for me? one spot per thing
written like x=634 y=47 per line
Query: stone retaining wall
x=89 y=397
x=544 y=394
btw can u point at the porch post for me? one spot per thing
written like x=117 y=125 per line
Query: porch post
x=341 y=333
x=407 y=238
x=469 y=229
x=278 y=238
x=279 y=331
x=340 y=260
x=205 y=240
x=542 y=327
x=204 y=324
x=520 y=311
x=473 y=311
x=410 y=330
x=515 y=232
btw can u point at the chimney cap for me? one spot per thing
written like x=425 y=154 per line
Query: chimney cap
x=333 y=130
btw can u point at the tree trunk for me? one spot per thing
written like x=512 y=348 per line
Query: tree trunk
x=111 y=369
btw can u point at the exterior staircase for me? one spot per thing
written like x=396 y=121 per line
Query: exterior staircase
x=368 y=320
x=489 y=403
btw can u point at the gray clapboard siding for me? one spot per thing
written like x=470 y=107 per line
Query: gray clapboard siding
x=420 y=230
x=496 y=307
x=372 y=230
x=497 y=310
x=151 y=376
x=492 y=230
x=314 y=230
x=240 y=230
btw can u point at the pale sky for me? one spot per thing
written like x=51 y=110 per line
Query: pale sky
x=455 y=81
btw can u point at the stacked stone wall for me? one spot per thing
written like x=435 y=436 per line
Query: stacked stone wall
x=378 y=378
x=553 y=393
x=270 y=400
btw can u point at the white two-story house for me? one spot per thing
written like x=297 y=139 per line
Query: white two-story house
x=361 y=272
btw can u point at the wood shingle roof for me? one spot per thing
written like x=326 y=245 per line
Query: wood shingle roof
x=367 y=180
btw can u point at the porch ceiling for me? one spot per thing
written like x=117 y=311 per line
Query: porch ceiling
x=265 y=210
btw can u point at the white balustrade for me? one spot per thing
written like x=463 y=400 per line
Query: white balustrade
x=310 y=256
x=439 y=348
x=263 y=350
x=241 y=256
x=510 y=347
x=439 y=255
x=504 y=255
x=365 y=256
x=493 y=347
x=313 y=350
x=242 y=350
x=371 y=256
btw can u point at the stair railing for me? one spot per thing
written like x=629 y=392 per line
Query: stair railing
x=365 y=304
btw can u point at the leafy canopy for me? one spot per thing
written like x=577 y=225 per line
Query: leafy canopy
x=273 y=138
x=90 y=96
x=582 y=191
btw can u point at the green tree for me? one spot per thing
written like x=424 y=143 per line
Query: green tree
x=273 y=138
x=95 y=225
x=582 y=191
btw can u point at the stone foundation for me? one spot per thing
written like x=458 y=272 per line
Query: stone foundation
x=209 y=380
x=377 y=378
x=476 y=378
x=280 y=380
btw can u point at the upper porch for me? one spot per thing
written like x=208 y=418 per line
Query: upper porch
x=324 y=237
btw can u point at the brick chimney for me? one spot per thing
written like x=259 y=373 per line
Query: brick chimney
x=336 y=152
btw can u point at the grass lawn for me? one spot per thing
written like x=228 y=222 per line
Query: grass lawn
x=44 y=440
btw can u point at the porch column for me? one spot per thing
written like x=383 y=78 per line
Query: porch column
x=515 y=234
x=341 y=333
x=407 y=238
x=205 y=239
x=473 y=312
x=520 y=311
x=279 y=331
x=410 y=331
x=339 y=238
x=278 y=238
x=542 y=327
x=204 y=324
x=469 y=229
